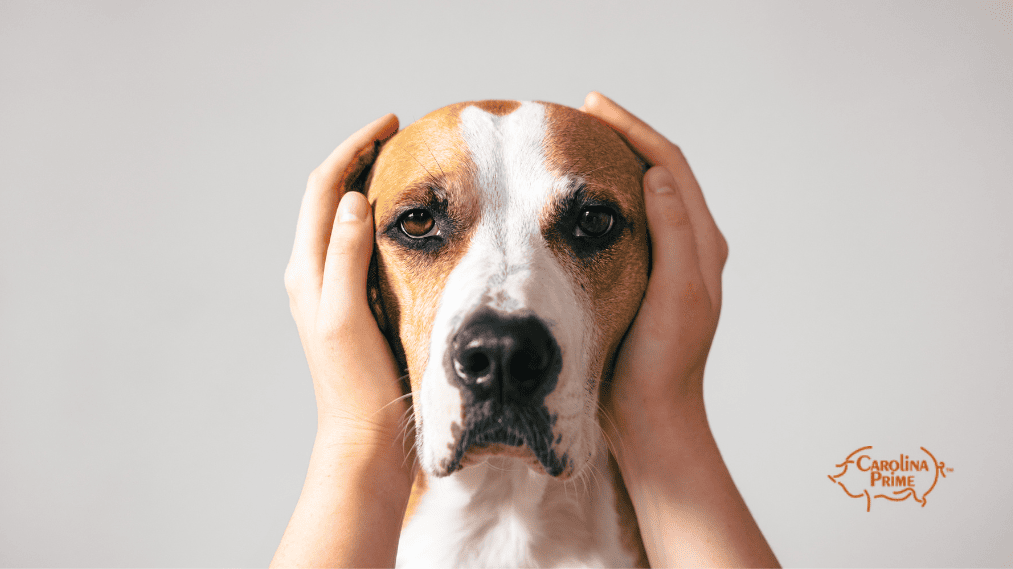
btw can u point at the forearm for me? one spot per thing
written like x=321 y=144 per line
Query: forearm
x=350 y=510
x=689 y=511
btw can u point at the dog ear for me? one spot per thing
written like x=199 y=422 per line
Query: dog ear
x=644 y=164
x=644 y=167
x=357 y=178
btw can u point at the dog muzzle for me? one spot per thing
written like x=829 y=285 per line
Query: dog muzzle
x=505 y=365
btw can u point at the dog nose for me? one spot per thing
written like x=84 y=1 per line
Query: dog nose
x=512 y=358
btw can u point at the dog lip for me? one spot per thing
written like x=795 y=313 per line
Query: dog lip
x=491 y=429
x=498 y=433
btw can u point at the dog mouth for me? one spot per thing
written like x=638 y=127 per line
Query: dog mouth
x=508 y=430
x=504 y=364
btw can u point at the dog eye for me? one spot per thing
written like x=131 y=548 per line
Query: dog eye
x=417 y=223
x=594 y=222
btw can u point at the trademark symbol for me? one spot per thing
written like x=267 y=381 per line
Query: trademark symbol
x=948 y=469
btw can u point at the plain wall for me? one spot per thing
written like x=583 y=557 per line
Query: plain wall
x=155 y=404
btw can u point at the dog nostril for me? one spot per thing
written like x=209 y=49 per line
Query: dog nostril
x=476 y=363
x=505 y=358
x=473 y=365
x=527 y=365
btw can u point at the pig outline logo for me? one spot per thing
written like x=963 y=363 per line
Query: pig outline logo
x=898 y=495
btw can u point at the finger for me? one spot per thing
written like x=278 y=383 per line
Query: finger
x=676 y=285
x=645 y=139
x=316 y=215
x=354 y=373
x=658 y=150
x=344 y=281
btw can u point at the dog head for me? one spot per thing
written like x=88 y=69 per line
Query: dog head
x=511 y=257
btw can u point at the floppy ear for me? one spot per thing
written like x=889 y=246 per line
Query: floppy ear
x=644 y=164
x=357 y=178
x=644 y=167
x=358 y=171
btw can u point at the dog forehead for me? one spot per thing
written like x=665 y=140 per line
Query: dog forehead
x=580 y=146
x=439 y=147
x=431 y=149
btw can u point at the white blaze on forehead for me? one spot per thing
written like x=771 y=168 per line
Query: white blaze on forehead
x=509 y=267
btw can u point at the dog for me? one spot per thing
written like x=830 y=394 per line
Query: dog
x=511 y=257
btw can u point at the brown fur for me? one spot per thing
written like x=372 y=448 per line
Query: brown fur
x=428 y=154
x=580 y=145
x=431 y=154
x=419 y=487
x=630 y=536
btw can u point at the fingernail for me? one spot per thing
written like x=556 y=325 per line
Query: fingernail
x=659 y=181
x=352 y=208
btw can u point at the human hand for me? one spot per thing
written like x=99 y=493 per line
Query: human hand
x=355 y=378
x=359 y=477
x=659 y=368
x=688 y=509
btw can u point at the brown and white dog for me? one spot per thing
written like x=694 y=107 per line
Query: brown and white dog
x=511 y=257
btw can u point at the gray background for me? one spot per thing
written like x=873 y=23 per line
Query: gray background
x=155 y=406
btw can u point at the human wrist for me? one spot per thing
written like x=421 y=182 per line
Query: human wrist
x=366 y=452
x=682 y=492
x=662 y=434
x=380 y=428
x=352 y=503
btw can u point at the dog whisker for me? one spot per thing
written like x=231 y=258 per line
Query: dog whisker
x=506 y=426
x=598 y=477
x=393 y=402
x=613 y=448
x=408 y=432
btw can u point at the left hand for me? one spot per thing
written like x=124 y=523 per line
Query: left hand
x=354 y=375
x=360 y=473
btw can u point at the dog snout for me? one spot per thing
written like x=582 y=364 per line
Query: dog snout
x=507 y=358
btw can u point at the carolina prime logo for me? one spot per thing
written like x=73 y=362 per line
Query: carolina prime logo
x=867 y=475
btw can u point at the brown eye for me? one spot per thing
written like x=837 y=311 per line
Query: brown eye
x=417 y=223
x=593 y=222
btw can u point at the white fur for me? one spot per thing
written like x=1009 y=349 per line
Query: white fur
x=501 y=512
x=509 y=267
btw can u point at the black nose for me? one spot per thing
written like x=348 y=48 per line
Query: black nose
x=509 y=358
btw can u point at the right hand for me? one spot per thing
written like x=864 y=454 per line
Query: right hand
x=659 y=368
x=688 y=509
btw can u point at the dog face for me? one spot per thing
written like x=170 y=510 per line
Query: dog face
x=511 y=257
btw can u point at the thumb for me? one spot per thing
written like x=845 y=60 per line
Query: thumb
x=348 y=254
x=675 y=267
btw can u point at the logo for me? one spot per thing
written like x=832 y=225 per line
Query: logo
x=867 y=475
